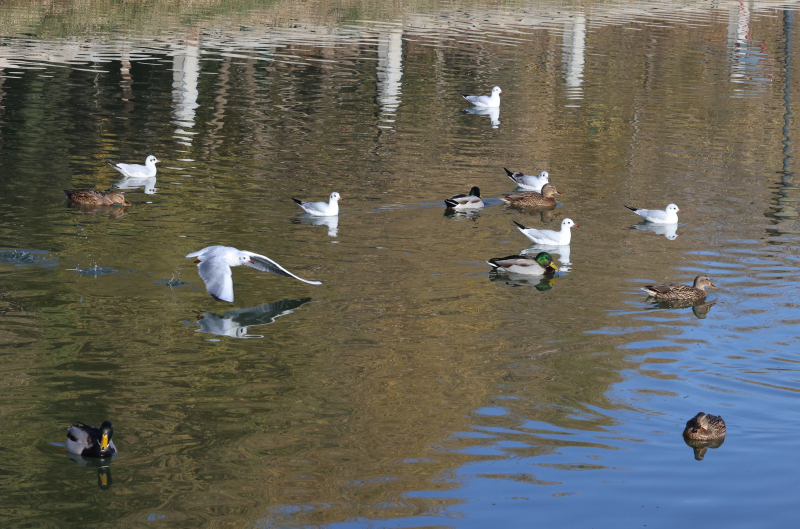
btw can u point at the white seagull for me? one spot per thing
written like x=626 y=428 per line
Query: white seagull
x=321 y=209
x=659 y=216
x=214 y=266
x=132 y=170
x=485 y=101
x=557 y=238
x=528 y=181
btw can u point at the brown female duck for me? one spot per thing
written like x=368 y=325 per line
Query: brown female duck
x=704 y=427
x=678 y=291
x=532 y=198
x=93 y=197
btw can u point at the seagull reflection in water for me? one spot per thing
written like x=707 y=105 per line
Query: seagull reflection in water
x=331 y=222
x=103 y=465
x=492 y=112
x=667 y=230
x=562 y=252
x=234 y=323
x=149 y=184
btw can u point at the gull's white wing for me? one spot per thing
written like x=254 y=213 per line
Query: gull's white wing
x=265 y=264
x=217 y=276
x=315 y=207
x=653 y=215
x=478 y=100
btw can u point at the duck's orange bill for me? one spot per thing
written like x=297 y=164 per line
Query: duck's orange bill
x=104 y=441
x=104 y=480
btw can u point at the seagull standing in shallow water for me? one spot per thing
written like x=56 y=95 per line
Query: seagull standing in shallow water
x=132 y=170
x=485 y=101
x=214 y=266
x=321 y=209
x=659 y=216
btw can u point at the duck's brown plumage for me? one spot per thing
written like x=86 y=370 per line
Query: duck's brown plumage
x=531 y=198
x=705 y=427
x=93 y=197
x=679 y=291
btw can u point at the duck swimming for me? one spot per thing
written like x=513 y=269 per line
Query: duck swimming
x=93 y=197
x=532 y=198
x=679 y=291
x=539 y=265
x=705 y=427
x=471 y=201
x=89 y=441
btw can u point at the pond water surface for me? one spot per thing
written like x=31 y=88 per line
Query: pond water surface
x=413 y=388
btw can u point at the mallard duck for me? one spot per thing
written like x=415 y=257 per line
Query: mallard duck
x=539 y=265
x=679 y=291
x=549 y=237
x=705 y=427
x=134 y=170
x=529 y=182
x=93 y=197
x=321 y=209
x=485 y=101
x=89 y=441
x=532 y=198
x=471 y=201
x=659 y=216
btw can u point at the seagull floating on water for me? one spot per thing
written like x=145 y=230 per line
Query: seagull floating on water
x=471 y=201
x=321 y=209
x=556 y=238
x=529 y=182
x=214 y=266
x=485 y=101
x=659 y=216
x=132 y=170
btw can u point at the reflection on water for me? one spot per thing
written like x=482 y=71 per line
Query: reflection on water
x=413 y=391
x=701 y=447
x=235 y=323
x=669 y=231
x=149 y=184
x=512 y=279
x=103 y=466
x=493 y=113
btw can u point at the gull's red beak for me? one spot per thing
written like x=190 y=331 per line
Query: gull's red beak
x=250 y=261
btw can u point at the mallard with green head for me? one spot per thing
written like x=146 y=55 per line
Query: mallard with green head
x=471 y=201
x=540 y=265
x=705 y=427
x=89 y=441
x=679 y=291
x=544 y=199
x=93 y=197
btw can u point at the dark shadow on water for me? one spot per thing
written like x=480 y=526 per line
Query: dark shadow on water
x=701 y=447
x=234 y=323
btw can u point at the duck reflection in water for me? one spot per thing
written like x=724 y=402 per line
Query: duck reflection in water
x=149 y=184
x=331 y=222
x=518 y=280
x=235 y=323
x=700 y=308
x=463 y=214
x=492 y=112
x=667 y=230
x=102 y=464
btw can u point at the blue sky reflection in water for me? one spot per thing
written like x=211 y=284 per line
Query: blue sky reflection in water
x=413 y=388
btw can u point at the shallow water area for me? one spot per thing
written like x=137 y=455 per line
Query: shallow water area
x=414 y=387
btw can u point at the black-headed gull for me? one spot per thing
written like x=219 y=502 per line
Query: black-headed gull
x=537 y=265
x=485 y=101
x=321 y=209
x=659 y=216
x=529 y=182
x=214 y=266
x=556 y=238
x=133 y=170
x=471 y=201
